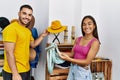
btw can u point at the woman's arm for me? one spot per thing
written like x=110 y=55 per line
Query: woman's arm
x=91 y=55
x=70 y=54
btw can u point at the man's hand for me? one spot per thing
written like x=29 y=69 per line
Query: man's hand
x=16 y=77
x=45 y=33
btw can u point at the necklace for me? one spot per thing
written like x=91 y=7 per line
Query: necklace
x=88 y=38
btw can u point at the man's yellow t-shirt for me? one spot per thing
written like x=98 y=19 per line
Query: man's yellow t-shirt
x=21 y=36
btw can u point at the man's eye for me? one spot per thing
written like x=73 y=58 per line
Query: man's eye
x=24 y=13
x=30 y=14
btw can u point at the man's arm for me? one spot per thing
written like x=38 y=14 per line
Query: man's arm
x=9 y=48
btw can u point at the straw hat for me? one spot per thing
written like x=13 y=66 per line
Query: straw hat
x=56 y=27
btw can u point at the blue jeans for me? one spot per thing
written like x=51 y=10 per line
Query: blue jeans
x=79 y=73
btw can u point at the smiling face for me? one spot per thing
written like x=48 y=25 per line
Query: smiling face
x=25 y=16
x=88 y=26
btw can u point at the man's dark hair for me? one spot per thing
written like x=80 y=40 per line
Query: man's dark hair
x=26 y=6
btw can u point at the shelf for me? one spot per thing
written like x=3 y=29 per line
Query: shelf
x=1 y=42
x=1 y=62
x=1 y=78
x=1 y=48
x=58 y=73
x=1 y=53
x=102 y=65
x=1 y=45
x=64 y=47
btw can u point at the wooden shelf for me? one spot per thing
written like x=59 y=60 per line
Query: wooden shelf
x=103 y=65
x=1 y=78
x=1 y=62
x=64 y=47
x=1 y=45
x=58 y=73
x=1 y=48
x=1 y=42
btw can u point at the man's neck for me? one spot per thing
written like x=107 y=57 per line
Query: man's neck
x=21 y=23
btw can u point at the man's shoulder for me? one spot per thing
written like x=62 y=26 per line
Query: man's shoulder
x=14 y=24
x=10 y=27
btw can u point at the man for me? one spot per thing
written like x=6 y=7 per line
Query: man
x=17 y=42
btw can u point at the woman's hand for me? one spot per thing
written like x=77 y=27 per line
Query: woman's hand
x=64 y=56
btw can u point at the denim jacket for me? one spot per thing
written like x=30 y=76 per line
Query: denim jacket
x=34 y=63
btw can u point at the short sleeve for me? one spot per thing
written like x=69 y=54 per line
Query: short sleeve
x=31 y=38
x=9 y=35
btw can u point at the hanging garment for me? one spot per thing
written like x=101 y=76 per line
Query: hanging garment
x=53 y=57
x=34 y=63
x=4 y=22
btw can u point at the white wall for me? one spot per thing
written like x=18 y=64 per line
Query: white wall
x=62 y=10
x=109 y=33
x=70 y=12
x=107 y=15
x=10 y=8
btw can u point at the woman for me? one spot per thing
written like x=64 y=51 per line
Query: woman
x=34 y=57
x=84 y=51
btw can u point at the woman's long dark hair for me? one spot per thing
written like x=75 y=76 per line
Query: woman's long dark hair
x=95 y=32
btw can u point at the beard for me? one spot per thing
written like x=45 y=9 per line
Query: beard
x=26 y=24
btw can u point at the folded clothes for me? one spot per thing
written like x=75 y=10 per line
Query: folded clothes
x=64 y=65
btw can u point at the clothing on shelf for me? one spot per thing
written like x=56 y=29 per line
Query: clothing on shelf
x=4 y=22
x=64 y=65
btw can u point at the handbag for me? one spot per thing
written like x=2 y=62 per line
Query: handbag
x=97 y=75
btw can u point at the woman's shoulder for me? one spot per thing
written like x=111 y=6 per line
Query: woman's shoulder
x=79 y=37
x=95 y=41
